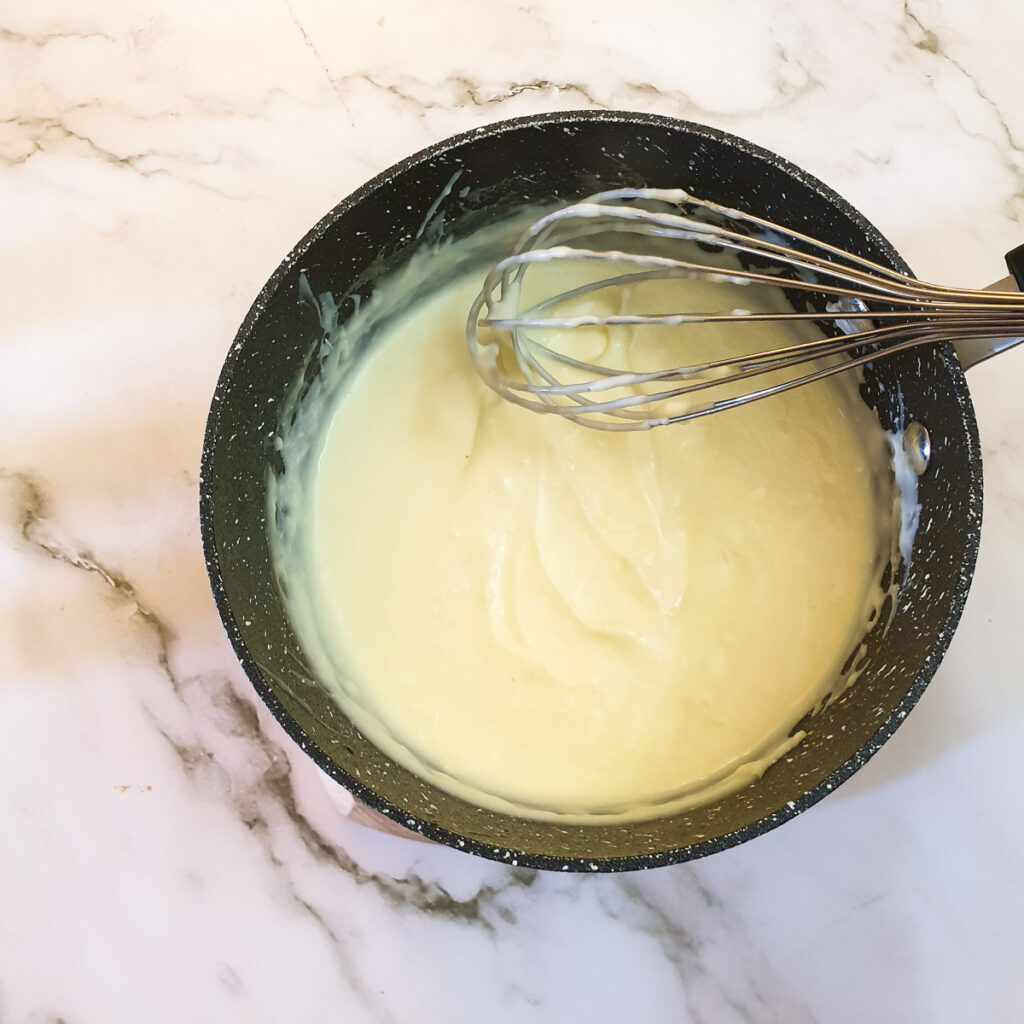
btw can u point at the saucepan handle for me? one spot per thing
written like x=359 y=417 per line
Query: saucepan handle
x=976 y=350
x=1015 y=262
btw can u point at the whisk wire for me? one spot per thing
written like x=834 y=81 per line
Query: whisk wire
x=858 y=294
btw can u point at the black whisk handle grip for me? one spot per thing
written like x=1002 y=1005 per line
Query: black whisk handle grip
x=1015 y=261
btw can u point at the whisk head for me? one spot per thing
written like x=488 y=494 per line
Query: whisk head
x=589 y=349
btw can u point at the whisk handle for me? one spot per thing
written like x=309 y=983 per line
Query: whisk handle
x=976 y=350
x=1015 y=261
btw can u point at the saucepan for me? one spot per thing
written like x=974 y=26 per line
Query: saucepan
x=456 y=187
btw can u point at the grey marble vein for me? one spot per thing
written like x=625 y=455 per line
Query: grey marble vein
x=464 y=92
x=44 y=133
x=790 y=91
x=461 y=91
x=929 y=42
x=238 y=717
x=41 y=39
x=696 y=929
x=308 y=42
x=275 y=788
x=33 y=512
x=345 y=959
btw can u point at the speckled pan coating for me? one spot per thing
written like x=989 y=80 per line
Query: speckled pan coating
x=533 y=159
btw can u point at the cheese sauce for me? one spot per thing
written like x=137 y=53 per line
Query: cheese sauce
x=563 y=622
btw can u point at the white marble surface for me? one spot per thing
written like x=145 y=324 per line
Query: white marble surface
x=166 y=854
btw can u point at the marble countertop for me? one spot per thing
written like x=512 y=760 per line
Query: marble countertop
x=166 y=853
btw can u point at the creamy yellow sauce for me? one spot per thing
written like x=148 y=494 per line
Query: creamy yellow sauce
x=564 y=622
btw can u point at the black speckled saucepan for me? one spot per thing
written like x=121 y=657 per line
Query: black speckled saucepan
x=527 y=161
